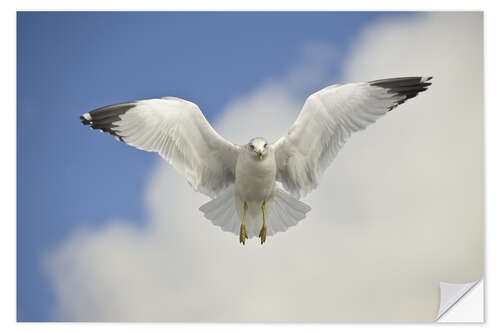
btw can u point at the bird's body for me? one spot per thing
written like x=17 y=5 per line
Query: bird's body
x=254 y=177
x=255 y=188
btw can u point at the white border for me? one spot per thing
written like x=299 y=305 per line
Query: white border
x=268 y=5
x=8 y=137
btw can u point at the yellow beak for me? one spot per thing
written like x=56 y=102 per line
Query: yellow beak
x=260 y=154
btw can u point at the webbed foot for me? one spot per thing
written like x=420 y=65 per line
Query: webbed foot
x=243 y=234
x=243 y=230
x=262 y=234
x=263 y=231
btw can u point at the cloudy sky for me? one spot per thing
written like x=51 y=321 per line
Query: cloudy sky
x=110 y=233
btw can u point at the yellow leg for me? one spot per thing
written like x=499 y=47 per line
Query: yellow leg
x=243 y=230
x=263 y=231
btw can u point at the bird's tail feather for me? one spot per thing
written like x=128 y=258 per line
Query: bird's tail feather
x=221 y=211
x=282 y=212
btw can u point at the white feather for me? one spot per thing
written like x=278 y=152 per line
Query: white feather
x=179 y=132
x=326 y=121
x=235 y=176
x=282 y=212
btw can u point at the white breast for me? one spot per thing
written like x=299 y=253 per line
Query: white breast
x=255 y=178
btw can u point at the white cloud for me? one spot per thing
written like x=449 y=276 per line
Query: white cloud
x=400 y=209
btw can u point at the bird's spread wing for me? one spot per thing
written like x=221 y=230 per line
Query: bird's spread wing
x=326 y=121
x=178 y=131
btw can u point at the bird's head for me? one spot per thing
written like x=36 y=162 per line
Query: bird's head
x=258 y=146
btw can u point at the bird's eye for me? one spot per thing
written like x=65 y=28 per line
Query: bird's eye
x=252 y=147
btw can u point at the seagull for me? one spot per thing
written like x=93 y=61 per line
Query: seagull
x=255 y=189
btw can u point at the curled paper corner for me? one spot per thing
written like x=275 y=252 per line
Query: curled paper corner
x=451 y=293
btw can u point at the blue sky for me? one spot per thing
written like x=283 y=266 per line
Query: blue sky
x=70 y=63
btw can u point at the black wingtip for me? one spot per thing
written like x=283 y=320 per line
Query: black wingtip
x=105 y=118
x=84 y=121
x=404 y=87
x=86 y=118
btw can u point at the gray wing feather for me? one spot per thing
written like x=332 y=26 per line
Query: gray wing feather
x=327 y=120
x=177 y=130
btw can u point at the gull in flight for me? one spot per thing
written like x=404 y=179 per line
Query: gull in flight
x=242 y=180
